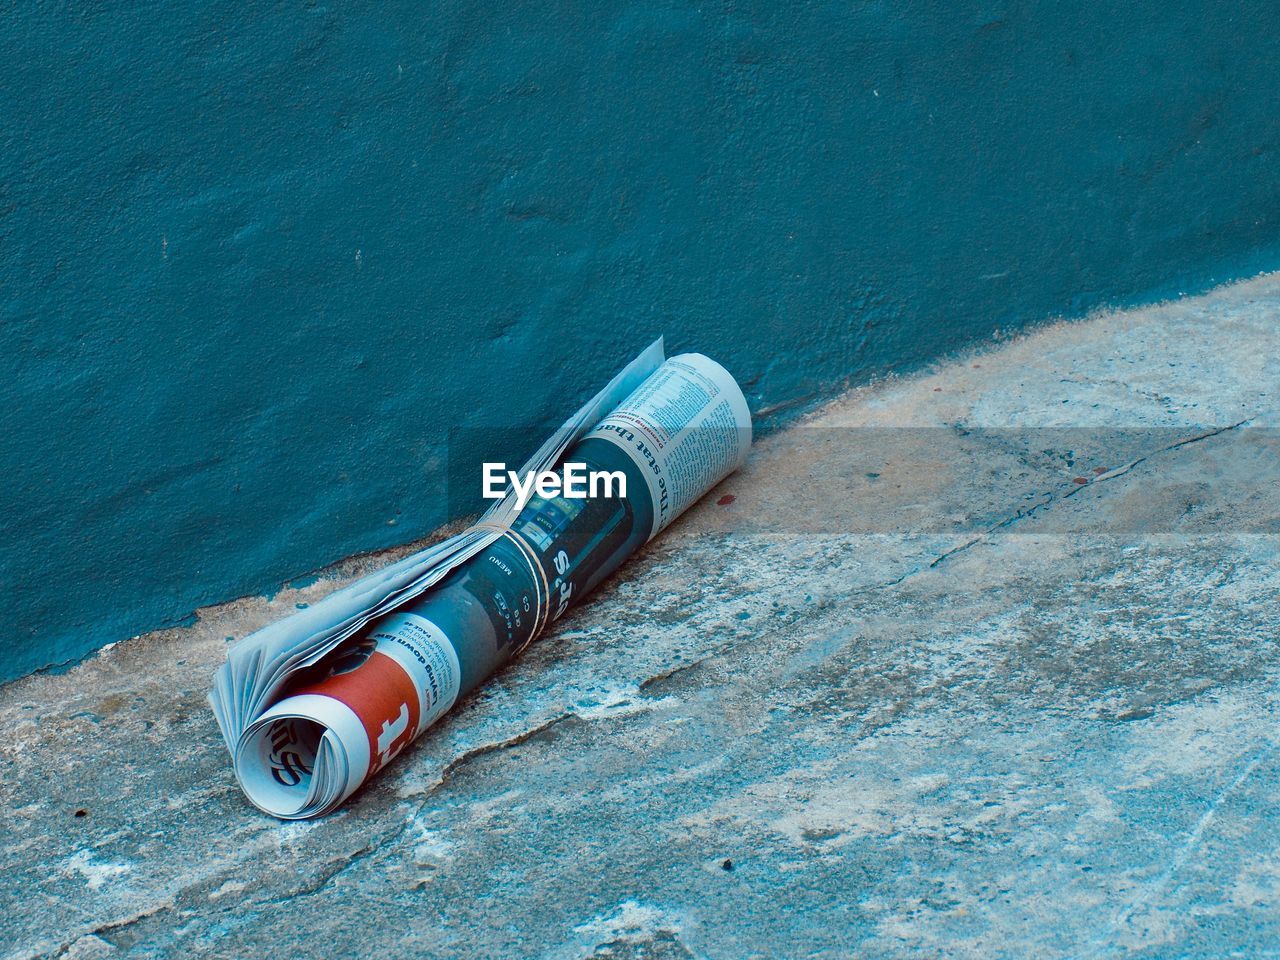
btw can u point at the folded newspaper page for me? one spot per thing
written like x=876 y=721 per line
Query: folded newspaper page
x=314 y=705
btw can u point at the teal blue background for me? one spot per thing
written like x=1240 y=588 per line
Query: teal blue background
x=258 y=261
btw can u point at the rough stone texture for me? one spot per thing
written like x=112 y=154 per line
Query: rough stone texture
x=1016 y=715
x=257 y=260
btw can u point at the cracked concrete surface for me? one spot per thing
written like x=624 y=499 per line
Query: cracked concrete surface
x=978 y=663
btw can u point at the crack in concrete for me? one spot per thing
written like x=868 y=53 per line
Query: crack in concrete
x=644 y=685
x=388 y=840
x=448 y=770
x=1185 y=441
x=1106 y=945
x=340 y=867
x=1051 y=499
x=109 y=926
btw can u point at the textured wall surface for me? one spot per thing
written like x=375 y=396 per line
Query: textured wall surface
x=257 y=261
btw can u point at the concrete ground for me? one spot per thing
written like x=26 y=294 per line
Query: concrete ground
x=1000 y=684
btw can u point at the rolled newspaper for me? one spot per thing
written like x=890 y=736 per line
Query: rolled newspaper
x=336 y=711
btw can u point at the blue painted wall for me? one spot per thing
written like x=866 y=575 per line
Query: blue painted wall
x=258 y=261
